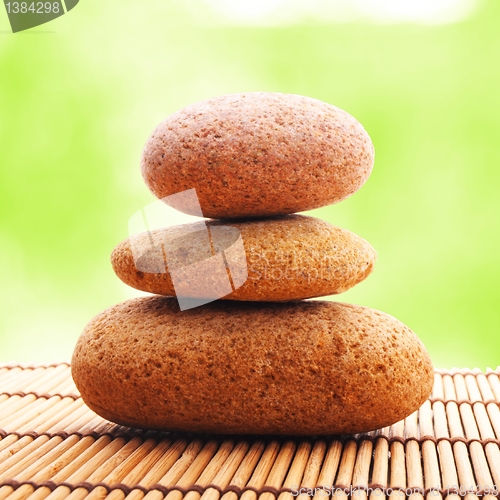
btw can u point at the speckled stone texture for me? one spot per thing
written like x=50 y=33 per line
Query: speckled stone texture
x=258 y=154
x=287 y=258
x=307 y=368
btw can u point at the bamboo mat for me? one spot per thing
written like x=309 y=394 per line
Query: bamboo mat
x=52 y=446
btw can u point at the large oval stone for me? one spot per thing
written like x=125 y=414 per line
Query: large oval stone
x=305 y=368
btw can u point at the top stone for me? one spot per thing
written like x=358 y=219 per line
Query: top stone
x=258 y=154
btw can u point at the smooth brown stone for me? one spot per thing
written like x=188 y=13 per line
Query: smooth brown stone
x=258 y=154
x=304 y=368
x=287 y=258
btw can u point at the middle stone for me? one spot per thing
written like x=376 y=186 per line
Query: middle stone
x=291 y=257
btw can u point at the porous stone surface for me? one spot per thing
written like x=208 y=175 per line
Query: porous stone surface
x=285 y=258
x=305 y=368
x=258 y=154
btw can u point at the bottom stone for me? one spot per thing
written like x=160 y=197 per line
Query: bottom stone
x=301 y=368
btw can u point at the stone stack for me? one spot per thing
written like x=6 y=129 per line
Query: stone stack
x=229 y=344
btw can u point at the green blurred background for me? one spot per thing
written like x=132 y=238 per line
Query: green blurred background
x=80 y=95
